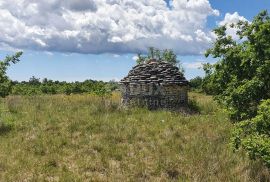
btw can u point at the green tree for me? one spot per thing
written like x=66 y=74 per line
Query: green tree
x=166 y=55
x=241 y=79
x=34 y=81
x=208 y=85
x=169 y=56
x=5 y=83
x=140 y=59
x=196 y=83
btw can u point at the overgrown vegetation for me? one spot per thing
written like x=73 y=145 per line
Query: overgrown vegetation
x=64 y=137
x=240 y=80
x=196 y=83
x=5 y=83
x=36 y=87
x=254 y=135
x=155 y=54
x=89 y=137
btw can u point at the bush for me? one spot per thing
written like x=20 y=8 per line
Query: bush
x=5 y=83
x=254 y=135
x=196 y=83
x=34 y=87
x=240 y=78
x=4 y=127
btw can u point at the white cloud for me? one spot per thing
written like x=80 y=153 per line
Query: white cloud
x=231 y=19
x=49 y=53
x=195 y=65
x=202 y=36
x=115 y=26
x=135 y=58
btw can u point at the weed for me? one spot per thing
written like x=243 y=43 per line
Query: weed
x=14 y=104
x=5 y=127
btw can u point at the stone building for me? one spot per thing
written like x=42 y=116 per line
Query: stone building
x=155 y=85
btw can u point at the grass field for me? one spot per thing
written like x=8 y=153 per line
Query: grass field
x=89 y=138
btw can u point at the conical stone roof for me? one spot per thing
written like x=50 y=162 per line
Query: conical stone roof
x=155 y=72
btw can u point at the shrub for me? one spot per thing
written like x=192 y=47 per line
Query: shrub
x=4 y=127
x=196 y=83
x=34 y=87
x=240 y=78
x=5 y=83
x=254 y=135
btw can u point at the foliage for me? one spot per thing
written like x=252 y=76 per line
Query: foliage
x=196 y=83
x=208 y=86
x=5 y=83
x=166 y=55
x=241 y=79
x=254 y=135
x=82 y=137
x=35 y=87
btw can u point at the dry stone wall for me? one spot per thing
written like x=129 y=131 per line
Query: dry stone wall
x=155 y=85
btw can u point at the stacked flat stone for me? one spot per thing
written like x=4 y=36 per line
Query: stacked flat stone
x=155 y=72
x=155 y=85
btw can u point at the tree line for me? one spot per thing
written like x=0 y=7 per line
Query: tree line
x=36 y=87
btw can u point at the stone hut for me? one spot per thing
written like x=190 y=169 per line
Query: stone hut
x=155 y=85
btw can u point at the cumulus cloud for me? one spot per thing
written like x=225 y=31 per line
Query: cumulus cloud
x=100 y=26
x=194 y=65
x=232 y=19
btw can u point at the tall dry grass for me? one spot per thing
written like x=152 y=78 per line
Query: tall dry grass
x=85 y=137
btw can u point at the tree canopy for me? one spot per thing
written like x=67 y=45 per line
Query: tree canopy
x=241 y=77
x=5 y=83
x=36 y=87
x=166 y=55
x=241 y=81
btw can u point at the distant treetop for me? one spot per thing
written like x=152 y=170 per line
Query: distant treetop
x=154 y=54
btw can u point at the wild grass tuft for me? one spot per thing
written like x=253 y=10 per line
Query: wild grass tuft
x=14 y=103
x=5 y=128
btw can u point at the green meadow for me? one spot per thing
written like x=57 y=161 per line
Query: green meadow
x=92 y=138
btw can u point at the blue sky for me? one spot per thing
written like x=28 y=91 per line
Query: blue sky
x=57 y=58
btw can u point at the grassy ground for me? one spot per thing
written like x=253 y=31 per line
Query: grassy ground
x=89 y=138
